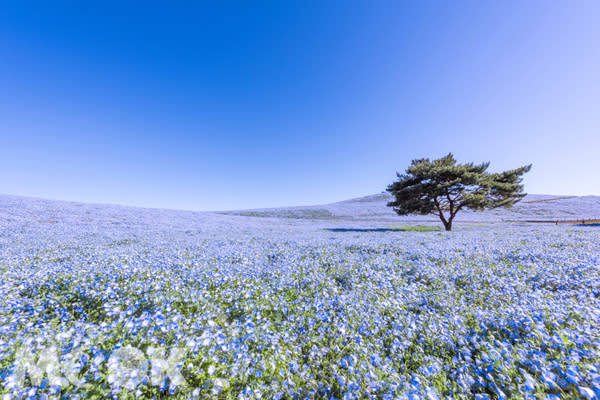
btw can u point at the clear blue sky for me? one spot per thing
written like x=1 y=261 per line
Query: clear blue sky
x=258 y=104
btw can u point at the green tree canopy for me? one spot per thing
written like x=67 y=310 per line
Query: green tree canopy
x=442 y=187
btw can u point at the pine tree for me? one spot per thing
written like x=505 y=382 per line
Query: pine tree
x=442 y=187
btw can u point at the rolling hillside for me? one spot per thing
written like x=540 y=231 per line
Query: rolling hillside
x=25 y=211
x=532 y=208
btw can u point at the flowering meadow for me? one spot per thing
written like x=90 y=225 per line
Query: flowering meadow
x=102 y=302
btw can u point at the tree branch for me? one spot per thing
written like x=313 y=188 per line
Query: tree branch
x=450 y=203
x=456 y=211
x=441 y=213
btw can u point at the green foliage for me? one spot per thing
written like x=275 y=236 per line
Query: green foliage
x=442 y=187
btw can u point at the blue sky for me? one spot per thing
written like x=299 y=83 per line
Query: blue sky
x=263 y=104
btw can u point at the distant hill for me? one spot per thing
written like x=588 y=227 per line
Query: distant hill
x=534 y=207
x=24 y=211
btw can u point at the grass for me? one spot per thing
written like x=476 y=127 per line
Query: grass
x=552 y=199
x=416 y=228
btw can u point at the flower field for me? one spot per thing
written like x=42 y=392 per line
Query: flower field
x=130 y=303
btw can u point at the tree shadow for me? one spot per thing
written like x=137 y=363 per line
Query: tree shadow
x=592 y=225
x=363 y=230
x=416 y=228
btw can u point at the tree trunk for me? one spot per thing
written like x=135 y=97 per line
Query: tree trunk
x=447 y=222
x=448 y=225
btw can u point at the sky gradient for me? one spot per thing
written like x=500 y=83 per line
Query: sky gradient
x=269 y=104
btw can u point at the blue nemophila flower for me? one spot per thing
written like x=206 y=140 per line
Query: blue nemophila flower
x=587 y=393
x=267 y=309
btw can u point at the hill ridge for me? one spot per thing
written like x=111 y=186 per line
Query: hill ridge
x=533 y=207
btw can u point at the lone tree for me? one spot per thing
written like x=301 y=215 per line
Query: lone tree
x=443 y=188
